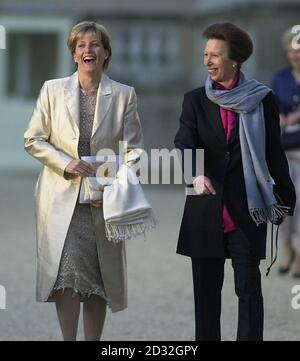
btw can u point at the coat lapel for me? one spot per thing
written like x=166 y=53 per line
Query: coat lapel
x=71 y=92
x=104 y=99
x=214 y=119
x=235 y=132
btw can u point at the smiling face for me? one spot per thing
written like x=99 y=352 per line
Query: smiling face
x=216 y=59
x=90 y=53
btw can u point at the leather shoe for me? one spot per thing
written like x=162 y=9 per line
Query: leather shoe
x=283 y=270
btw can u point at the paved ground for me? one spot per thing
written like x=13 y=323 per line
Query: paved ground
x=160 y=285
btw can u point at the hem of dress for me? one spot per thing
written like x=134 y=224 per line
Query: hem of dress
x=83 y=296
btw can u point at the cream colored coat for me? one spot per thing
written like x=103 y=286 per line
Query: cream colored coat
x=52 y=138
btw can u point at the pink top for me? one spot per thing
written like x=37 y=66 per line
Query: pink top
x=229 y=121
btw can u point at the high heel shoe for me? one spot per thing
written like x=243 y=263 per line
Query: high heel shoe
x=285 y=269
x=296 y=273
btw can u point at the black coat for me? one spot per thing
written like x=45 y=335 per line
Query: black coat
x=201 y=233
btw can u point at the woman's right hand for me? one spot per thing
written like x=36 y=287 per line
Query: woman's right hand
x=80 y=168
x=96 y=204
x=283 y=120
x=203 y=186
x=293 y=118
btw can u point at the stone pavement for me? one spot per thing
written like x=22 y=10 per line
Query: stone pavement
x=160 y=283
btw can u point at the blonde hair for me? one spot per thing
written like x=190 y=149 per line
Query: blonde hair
x=287 y=38
x=84 y=27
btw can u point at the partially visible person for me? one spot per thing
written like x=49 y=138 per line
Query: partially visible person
x=286 y=86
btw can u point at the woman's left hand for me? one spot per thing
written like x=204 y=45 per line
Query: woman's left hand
x=96 y=204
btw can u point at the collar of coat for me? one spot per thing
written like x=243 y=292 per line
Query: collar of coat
x=103 y=103
x=214 y=122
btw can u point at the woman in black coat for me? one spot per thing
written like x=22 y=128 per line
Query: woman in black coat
x=240 y=162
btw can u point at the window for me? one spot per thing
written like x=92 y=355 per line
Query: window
x=146 y=54
x=31 y=58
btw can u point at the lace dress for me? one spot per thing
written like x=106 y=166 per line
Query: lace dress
x=79 y=265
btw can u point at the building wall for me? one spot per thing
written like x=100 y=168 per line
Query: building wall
x=157 y=51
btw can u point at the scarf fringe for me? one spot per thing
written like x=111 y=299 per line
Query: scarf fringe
x=117 y=233
x=264 y=215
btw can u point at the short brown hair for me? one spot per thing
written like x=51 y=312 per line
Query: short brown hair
x=239 y=42
x=80 y=29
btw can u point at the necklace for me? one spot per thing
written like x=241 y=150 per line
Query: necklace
x=90 y=91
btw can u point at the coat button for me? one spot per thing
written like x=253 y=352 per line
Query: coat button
x=227 y=155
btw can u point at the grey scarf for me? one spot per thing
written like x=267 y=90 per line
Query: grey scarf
x=246 y=100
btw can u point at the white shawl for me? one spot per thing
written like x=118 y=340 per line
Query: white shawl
x=126 y=210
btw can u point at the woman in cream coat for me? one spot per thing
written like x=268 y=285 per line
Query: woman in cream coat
x=54 y=137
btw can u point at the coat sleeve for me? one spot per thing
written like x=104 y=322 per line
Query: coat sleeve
x=275 y=156
x=132 y=133
x=187 y=136
x=37 y=136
